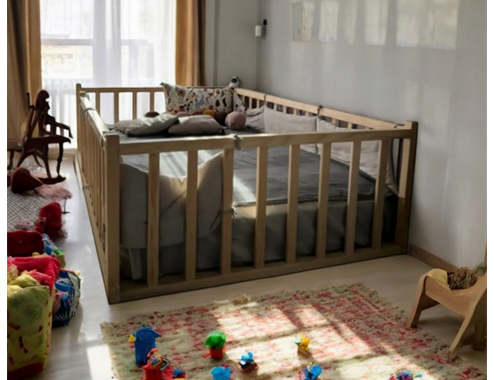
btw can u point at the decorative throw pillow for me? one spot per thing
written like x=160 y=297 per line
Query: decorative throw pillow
x=192 y=99
x=368 y=154
x=22 y=181
x=200 y=125
x=146 y=126
x=279 y=122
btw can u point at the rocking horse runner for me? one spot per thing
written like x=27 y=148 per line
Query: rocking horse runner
x=38 y=146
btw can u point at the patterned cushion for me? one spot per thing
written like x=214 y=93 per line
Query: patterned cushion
x=193 y=99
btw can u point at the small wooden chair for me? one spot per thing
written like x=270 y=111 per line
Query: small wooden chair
x=470 y=303
x=38 y=146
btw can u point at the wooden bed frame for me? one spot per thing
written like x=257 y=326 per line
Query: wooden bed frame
x=100 y=151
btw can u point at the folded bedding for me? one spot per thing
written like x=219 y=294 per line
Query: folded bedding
x=168 y=125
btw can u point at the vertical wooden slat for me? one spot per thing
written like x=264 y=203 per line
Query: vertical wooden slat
x=322 y=203
x=250 y=102
x=307 y=113
x=151 y=101
x=377 y=222
x=406 y=185
x=116 y=110
x=349 y=125
x=291 y=216
x=153 y=250
x=112 y=217
x=79 y=114
x=226 y=221
x=134 y=105
x=99 y=187
x=97 y=95
x=191 y=217
x=351 y=213
x=284 y=109
x=261 y=193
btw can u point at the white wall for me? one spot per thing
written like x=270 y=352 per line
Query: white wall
x=422 y=60
x=231 y=47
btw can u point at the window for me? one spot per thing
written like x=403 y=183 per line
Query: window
x=104 y=43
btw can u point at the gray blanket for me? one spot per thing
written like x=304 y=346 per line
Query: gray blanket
x=173 y=170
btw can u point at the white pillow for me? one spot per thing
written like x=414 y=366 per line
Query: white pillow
x=368 y=154
x=145 y=126
x=197 y=125
x=279 y=122
x=255 y=118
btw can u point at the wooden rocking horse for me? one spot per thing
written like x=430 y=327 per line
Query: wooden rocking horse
x=38 y=146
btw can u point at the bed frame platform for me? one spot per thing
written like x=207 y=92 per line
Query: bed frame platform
x=100 y=151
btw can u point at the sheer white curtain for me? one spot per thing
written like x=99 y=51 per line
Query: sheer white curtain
x=105 y=43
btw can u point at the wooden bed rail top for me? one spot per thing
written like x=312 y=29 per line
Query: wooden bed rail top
x=366 y=121
x=255 y=141
x=91 y=114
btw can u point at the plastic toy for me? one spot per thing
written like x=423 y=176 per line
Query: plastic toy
x=221 y=372
x=145 y=341
x=404 y=374
x=215 y=341
x=311 y=372
x=303 y=344
x=178 y=374
x=247 y=363
x=155 y=366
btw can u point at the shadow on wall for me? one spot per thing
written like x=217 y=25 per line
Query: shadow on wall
x=419 y=23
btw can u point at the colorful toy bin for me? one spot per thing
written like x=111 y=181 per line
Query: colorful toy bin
x=215 y=341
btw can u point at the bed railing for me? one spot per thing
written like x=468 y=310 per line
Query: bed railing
x=100 y=152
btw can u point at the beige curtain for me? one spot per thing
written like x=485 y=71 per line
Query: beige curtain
x=23 y=60
x=189 y=58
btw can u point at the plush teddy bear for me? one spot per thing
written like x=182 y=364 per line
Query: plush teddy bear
x=236 y=120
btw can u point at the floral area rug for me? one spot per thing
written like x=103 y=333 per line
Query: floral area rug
x=353 y=332
x=23 y=209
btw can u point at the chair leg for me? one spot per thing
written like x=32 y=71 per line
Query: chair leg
x=45 y=161
x=21 y=159
x=60 y=157
x=421 y=302
x=475 y=316
x=11 y=160
x=460 y=337
x=480 y=335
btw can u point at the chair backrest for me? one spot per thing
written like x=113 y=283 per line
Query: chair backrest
x=36 y=117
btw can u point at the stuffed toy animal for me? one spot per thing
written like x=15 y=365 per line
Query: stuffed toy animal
x=22 y=181
x=50 y=220
x=24 y=243
x=151 y=114
x=236 y=120
x=234 y=82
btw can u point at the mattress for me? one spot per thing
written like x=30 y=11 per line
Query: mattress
x=172 y=209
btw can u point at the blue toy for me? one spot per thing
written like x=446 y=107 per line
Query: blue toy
x=145 y=341
x=311 y=372
x=221 y=373
x=247 y=362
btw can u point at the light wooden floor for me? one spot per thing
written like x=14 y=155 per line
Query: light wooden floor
x=78 y=351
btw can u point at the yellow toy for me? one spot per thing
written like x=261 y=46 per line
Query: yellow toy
x=303 y=344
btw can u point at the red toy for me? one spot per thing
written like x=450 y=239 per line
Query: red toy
x=156 y=366
x=50 y=220
x=22 y=181
x=24 y=243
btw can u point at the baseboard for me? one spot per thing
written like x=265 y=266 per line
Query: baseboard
x=430 y=259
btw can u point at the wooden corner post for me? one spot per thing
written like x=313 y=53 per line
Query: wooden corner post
x=406 y=186
x=112 y=217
